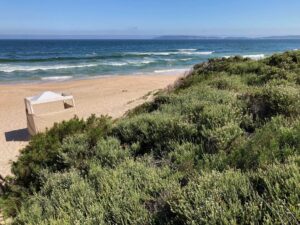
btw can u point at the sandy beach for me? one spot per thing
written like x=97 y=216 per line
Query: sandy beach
x=108 y=96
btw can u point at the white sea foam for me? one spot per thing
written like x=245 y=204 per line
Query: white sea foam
x=150 y=53
x=128 y=62
x=91 y=54
x=53 y=78
x=187 y=49
x=170 y=70
x=146 y=61
x=196 y=53
x=14 y=68
x=170 y=60
x=9 y=68
x=187 y=59
x=187 y=52
x=115 y=63
x=254 y=57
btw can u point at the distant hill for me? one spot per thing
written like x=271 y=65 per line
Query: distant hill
x=194 y=37
x=186 y=37
x=137 y=37
x=283 y=37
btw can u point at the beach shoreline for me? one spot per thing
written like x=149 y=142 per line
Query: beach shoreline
x=63 y=79
x=109 y=95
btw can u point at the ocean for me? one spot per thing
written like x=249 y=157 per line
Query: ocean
x=54 y=60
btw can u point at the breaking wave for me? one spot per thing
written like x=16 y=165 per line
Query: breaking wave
x=187 y=59
x=187 y=49
x=182 y=52
x=255 y=57
x=15 y=68
x=170 y=70
x=53 y=78
x=9 y=68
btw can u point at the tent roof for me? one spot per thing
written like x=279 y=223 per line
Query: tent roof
x=47 y=96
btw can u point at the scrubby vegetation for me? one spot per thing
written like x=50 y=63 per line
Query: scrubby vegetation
x=221 y=147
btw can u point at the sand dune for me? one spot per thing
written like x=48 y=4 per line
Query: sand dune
x=111 y=95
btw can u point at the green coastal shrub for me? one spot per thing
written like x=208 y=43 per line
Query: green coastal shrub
x=153 y=132
x=225 y=82
x=278 y=186
x=149 y=107
x=44 y=149
x=232 y=197
x=216 y=198
x=75 y=152
x=184 y=157
x=47 y=151
x=275 y=142
x=218 y=125
x=288 y=60
x=273 y=99
x=66 y=198
x=128 y=194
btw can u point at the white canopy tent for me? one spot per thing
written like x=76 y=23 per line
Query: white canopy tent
x=58 y=107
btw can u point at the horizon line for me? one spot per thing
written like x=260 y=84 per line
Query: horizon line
x=139 y=36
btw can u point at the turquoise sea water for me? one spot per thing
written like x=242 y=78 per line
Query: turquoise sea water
x=46 y=60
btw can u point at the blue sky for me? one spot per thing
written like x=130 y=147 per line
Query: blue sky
x=150 y=17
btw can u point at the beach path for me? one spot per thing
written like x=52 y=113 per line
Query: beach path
x=111 y=96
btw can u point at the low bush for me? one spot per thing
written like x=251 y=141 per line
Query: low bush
x=272 y=100
x=127 y=194
x=288 y=60
x=185 y=156
x=65 y=198
x=153 y=132
x=44 y=149
x=276 y=141
x=76 y=153
x=266 y=197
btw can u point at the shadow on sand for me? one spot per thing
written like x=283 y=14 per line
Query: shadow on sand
x=17 y=135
